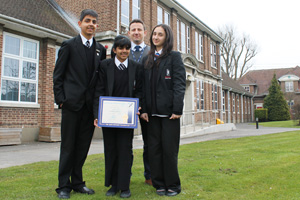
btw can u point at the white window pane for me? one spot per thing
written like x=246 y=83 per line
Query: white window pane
x=10 y=90
x=11 y=67
x=135 y=9
x=125 y=12
x=159 y=15
x=29 y=70
x=12 y=45
x=28 y=92
x=167 y=18
x=183 y=43
x=29 y=49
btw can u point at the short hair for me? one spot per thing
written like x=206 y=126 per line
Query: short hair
x=121 y=41
x=137 y=21
x=88 y=12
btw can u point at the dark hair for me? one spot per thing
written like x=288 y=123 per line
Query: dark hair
x=137 y=21
x=167 y=47
x=88 y=12
x=120 y=41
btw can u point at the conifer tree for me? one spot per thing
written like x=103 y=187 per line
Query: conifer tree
x=275 y=102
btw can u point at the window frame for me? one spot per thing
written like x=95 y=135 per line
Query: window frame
x=168 y=17
x=289 y=86
x=160 y=21
x=20 y=79
x=213 y=55
x=126 y=24
x=136 y=7
x=183 y=37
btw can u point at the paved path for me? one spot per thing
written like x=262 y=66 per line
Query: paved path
x=41 y=151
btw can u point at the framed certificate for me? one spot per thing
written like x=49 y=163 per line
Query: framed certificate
x=118 y=112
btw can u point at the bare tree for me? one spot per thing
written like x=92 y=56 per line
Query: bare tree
x=236 y=52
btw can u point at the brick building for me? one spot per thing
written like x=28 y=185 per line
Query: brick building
x=257 y=82
x=31 y=32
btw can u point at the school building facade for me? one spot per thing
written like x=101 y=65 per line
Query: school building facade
x=31 y=33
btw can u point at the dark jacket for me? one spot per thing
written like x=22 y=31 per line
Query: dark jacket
x=170 y=86
x=71 y=83
x=105 y=84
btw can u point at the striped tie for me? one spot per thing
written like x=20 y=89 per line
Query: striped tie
x=122 y=66
x=87 y=44
x=156 y=56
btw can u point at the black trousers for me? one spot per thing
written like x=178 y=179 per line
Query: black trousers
x=118 y=156
x=163 y=141
x=77 y=130
x=144 y=128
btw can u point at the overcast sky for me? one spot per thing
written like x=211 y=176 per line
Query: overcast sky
x=273 y=24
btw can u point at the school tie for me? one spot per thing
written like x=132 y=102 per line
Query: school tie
x=156 y=56
x=87 y=44
x=137 y=48
x=122 y=66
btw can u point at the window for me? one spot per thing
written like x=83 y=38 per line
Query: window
x=136 y=9
x=183 y=47
x=223 y=101
x=246 y=110
x=188 y=39
x=290 y=103
x=212 y=97
x=125 y=12
x=238 y=103
x=213 y=56
x=159 y=15
x=19 y=78
x=233 y=103
x=198 y=94
x=216 y=97
x=289 y=86
x=202 y=95
x=196 y=46
x=228 y=101
x=247 y=88
x=178 y=36
x=167 y=18
x=201 y=46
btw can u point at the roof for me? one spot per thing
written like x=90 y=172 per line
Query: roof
x=262 y=78
x=38 y=12
x=230 y=84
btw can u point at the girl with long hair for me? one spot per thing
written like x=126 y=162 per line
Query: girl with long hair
x=164 y=88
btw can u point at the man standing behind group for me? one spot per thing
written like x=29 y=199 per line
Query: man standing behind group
x=74 y=79
x=138 y=51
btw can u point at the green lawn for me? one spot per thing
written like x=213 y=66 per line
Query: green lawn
x=286 y=124
x=261 y=167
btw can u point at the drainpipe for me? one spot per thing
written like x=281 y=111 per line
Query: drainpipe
x=118 y=17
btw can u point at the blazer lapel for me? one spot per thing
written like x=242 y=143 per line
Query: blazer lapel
x=110 y=76
x=80 y=48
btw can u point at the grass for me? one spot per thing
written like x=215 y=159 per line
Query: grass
x=258 y=168
x=285 y=124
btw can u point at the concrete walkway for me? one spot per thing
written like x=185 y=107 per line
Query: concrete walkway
x=41 y=151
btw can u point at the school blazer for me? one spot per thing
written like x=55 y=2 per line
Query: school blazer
x=105 y=83
x=170 y=86
x=72 y=85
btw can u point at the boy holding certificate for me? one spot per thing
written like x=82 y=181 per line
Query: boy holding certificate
x=118 y=77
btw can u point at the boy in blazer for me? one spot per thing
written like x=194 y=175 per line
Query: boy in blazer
x=74 y=79
x=118 y=77
x=138 y=51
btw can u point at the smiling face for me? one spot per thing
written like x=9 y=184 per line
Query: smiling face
x=122 y=53
x=88 y=26
x=159 y=37
x=137 y=33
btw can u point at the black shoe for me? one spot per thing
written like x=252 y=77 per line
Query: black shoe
x=112 y=191
x=171 y=193
x=161 y=191
x=84 y=190
x=64 y=195
x=125 y=194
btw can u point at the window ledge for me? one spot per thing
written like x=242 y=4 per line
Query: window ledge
x=21 y=105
